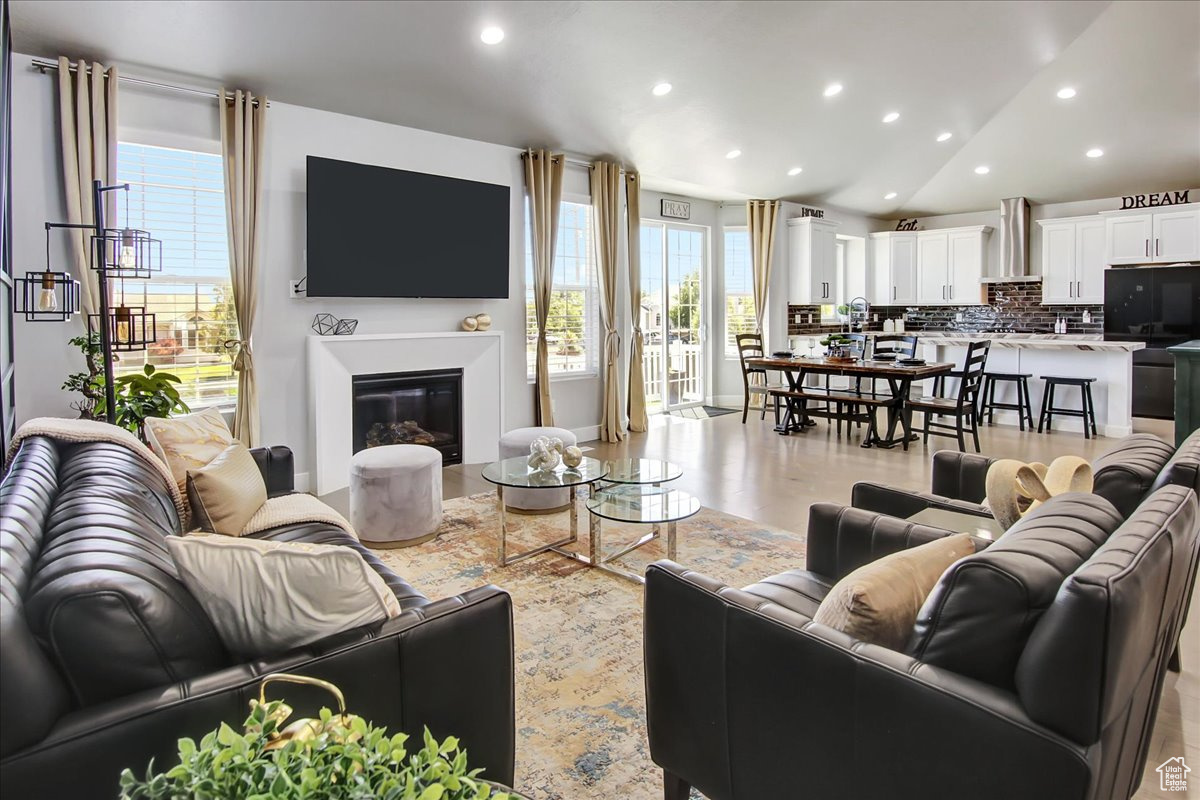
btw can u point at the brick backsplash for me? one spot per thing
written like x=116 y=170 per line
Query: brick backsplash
x=1011 y=306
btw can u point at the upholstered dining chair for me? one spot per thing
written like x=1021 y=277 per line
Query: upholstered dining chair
x=750 y=345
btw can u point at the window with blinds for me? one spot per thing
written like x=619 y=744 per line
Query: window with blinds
x=739 y=289
x=571 y=325
x=179 y=196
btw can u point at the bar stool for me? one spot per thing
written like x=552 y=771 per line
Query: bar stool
x=987 y=398
x=1088 y=411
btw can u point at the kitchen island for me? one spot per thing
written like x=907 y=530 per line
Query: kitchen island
x=1080 y=356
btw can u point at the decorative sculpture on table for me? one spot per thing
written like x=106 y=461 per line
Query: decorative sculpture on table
x=545 y=453
x=1015 y=488
x=469 y=323
x=572 y=456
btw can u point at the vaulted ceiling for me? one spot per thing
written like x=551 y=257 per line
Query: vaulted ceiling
x=746 y=76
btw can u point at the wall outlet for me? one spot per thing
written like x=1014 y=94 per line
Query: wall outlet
x=810 y=319
x=296 y=288
x=799 y=318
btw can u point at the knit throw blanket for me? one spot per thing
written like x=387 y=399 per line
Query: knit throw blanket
x=88 y=430
x=295 y=509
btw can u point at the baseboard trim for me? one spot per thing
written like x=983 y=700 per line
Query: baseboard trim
x=1063 y=424
x=588 y=434
x=728 y=400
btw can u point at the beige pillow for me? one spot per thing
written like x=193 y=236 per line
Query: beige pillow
x=266 y=598
x=188 y=442
x=879 y=602
x=225 y=493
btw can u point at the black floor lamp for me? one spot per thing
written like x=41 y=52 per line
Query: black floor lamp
x=113 y=253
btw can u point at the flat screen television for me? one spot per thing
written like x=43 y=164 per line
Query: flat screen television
x=379 y=232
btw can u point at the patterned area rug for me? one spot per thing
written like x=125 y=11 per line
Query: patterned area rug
x=581 y=722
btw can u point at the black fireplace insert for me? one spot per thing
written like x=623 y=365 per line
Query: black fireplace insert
x=410 y=408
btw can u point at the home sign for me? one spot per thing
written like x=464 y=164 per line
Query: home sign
x=815 y=213
x=676 y=209
x=1154 y=199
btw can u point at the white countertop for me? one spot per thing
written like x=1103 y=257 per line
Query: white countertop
x=1031 y=341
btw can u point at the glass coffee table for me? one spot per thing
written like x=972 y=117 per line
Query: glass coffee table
x=638 y=503
x=651 y=471
x=514 y=473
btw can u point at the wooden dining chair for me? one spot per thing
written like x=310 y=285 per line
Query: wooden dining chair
x=750 y=345
x=963 y=407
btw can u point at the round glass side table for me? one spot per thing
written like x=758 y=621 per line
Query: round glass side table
x=637 y=503
x=515 y=473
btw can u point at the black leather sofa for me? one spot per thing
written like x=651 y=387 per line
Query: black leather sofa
x=1034 y=672
x=106 y=659
x=1124 y=475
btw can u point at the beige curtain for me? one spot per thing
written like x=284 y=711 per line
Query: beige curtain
x=87 y=103
x=243 y=128
x=606 y=208
x=543 y=182
x=760 y=222
x=637 y=379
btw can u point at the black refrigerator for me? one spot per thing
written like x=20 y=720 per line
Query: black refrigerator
x=1159 y=306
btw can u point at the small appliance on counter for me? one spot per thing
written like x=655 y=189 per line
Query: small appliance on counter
x=1160 y=307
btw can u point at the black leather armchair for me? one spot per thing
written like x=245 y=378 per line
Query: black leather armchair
x=106 y=659
x=748 y=698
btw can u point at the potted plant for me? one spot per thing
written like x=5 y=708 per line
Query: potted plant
x=335 y=757
x=839 y=347
x=151 y=393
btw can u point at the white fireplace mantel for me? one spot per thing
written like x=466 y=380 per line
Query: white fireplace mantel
x=333 y=361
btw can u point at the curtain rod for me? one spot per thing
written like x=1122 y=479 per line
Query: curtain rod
x=43 y=64
x=574 y=162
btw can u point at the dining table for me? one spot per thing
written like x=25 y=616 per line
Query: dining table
x=898 y=377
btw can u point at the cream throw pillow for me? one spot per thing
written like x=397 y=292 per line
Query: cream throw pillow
x=225 y=493
x=878 y=602
x=188 y=442
x=266 y=598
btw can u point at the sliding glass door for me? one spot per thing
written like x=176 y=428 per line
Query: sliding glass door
x=674 y=261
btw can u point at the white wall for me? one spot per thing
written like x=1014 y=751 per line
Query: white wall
x=293 y=132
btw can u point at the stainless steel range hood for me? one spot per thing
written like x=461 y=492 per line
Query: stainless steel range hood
x=1014 y=244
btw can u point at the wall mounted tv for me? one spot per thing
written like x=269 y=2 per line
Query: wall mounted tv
x=379 y=232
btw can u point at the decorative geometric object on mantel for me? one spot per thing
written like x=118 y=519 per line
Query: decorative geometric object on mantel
x=326 y=324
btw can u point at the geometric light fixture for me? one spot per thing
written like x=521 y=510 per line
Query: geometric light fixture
x=130 y=327
x=46 y=296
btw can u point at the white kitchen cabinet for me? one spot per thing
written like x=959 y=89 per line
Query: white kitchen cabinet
x=1176 y=236
x=967 y=253
x=933 y=268
x=812 y=261
x=1153 y=237
x=894 y=269
x=1073 y=261
x=951 y=265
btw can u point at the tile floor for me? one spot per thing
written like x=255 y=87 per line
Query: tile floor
x=751 y=471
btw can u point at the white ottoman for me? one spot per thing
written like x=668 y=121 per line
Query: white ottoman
x=533 y=501
x=396 y=494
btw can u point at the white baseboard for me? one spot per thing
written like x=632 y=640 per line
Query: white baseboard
x=302 y=482
x=589 y=434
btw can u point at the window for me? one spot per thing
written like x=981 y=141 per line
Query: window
x=571 y=335
x=179 y=196
x=739 y=289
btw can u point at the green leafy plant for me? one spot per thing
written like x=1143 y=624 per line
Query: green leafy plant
x=150 y=393
x=835 y=339
x=90 y=384
x=346 y=759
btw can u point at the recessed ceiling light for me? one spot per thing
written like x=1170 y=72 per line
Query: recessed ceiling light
x=891 y=116
x=492 y=35
x=944 y=137
x=832 y=89
x=1095 y=152
x=661 y=88
x=794 y=171
x=1066 y=93
x=733 y=154
x=982 y=170
x=890 y=196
